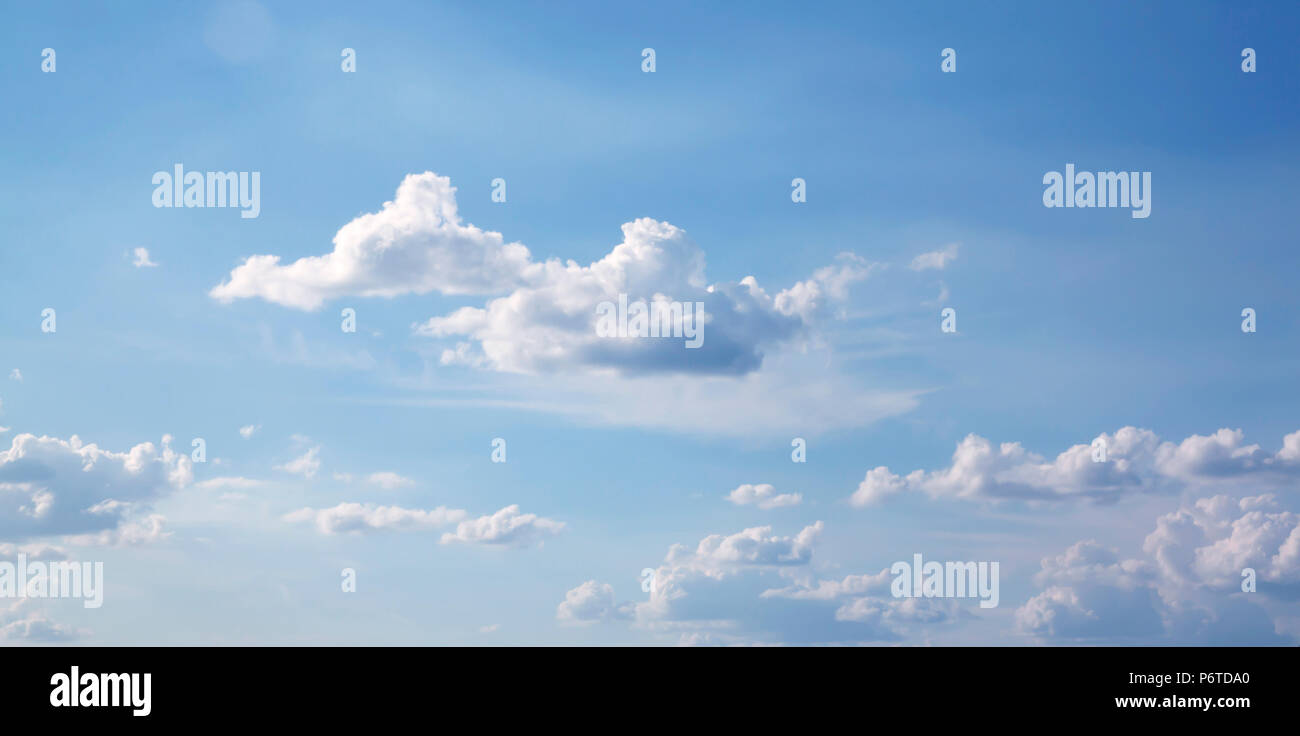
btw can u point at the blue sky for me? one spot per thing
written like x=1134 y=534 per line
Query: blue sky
x=1072 y=324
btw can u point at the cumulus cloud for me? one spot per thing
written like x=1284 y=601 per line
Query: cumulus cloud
x=248 y=430
x=721 y=591
x=590 y=603
x=506 y=527
x=16 y=375
x=415 y=244
x=357 y=518
x=549 y=324
x=546 y=320
x=753 y=546
x=50 y=486
x=1136 y=461
x=763 y=495
x=936 y=259
x=1187 y=589
x=1213 y=540
x=305 y=465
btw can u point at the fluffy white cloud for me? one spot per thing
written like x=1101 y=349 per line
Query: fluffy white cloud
x=50 y=486
x=506 y=527
x=305 y=465
x=16 y=375
x=1189 y=589
x=721 y=592
x=550 y=324
x=590 y=603
x=1212 y=541
x=415 y=244
x=546 y=321
x=356 y=518
x=1136 y=461
x=763 y=495
x=752 y=546
x=248 y=430
x=935 y=259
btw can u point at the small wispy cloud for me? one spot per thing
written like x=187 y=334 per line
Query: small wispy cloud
x=762 y=495
x=936 y=259
x=306 y=465
x=142 y=259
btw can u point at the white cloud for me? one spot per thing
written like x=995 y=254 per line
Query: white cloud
x=389 y=480
x=18 y=624
x=415 y=244
x=506 y=527
x=936 y=259
x=148 y=530
x=590 y=603
x=306 y=465
x=248 y=430
x=489 y=629
x=1187 y=589
x=1137 y=461
x=16 y=375
x=549 y=324
x=355 y=518
x=142 y=259
x=762 y=495
x=50 y=486
x=752 y=546
x=721 y=592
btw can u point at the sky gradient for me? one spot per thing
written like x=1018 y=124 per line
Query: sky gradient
x=372 y=450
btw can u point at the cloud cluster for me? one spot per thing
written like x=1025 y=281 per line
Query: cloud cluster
x=50 y=486
x=550 y=324
x=507 y=527
x=1188 y=588
x=545 y=319
x=721 y=592
x=1135 y=461
x=415 y=244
